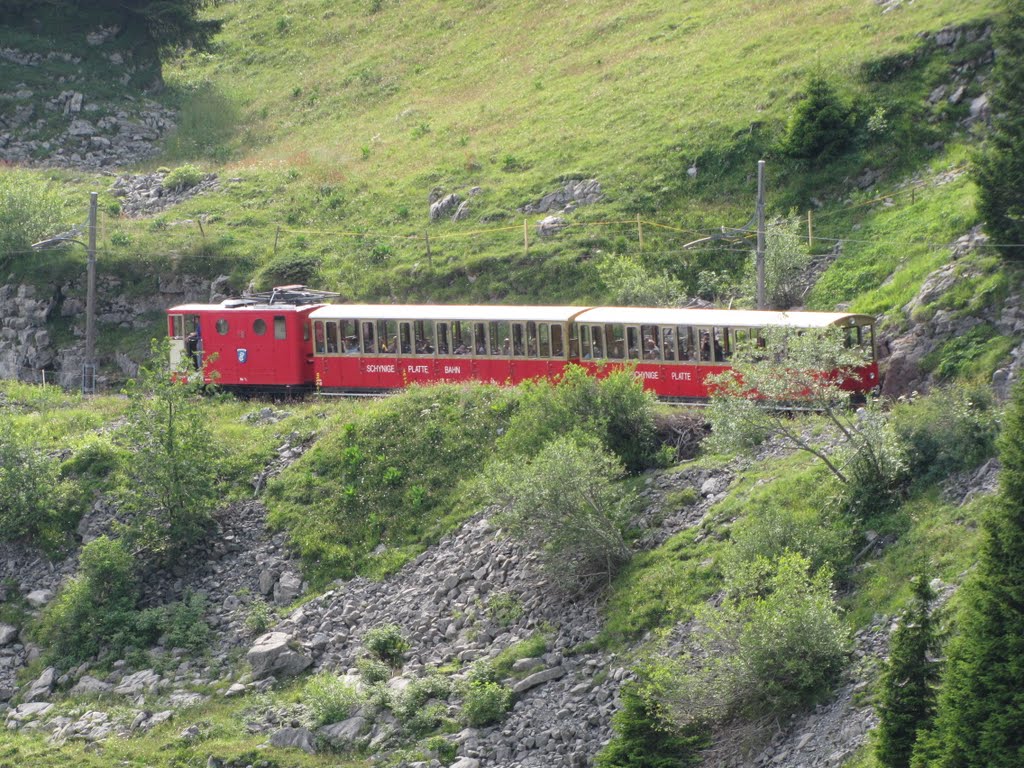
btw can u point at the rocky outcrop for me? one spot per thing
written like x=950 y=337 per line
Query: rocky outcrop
x=146 y=194
x=575 y=193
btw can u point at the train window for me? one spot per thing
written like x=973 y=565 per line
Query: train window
x=597 y=347
x=668 y=343
x=222 y=326
x=687 y=339
x=305 y=331
x=544 y=339
x=867 y=339
x=177 y=327
x=501 y=338
x=332 y=337
x=444 y=346
x=480 y=332
x=423 y=343
x=387 y=336
x=615 y=341
x=462 y=337
x=723 y=344
x=740 y=337
x=704 y=350
x=649 y=349
x=319 y=346
x=633 y=342
x=518 y=345
x=403 y=344
x=557 y=346
x=574 y=340
x=280 y=327
x=531 y=339
x=259 y=326
x=349 y=337
x=369 y=338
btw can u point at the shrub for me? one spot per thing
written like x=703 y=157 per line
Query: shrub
x=96 y=609
x=387 y=642
x=373 y=671
x=763 y=653
x=616 y=410
x=785 y=262
x=504 y=608
x=259 y=617
x=445 y=749
x=33 y=500
x=185 y=624
x=413 y=701
x=485 y=703
x=565 y=503
x=947 y=431
x=329 y=698
x=291 y=269
x=183 y=177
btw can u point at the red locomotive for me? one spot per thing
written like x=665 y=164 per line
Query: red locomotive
x=295 y=340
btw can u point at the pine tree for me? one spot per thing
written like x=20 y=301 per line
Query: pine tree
x=907 y=702
x=980 y=720
x=999 y=170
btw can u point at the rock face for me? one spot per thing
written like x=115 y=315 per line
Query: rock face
x=27 y=351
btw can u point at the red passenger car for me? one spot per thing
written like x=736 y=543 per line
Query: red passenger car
x=386 y=346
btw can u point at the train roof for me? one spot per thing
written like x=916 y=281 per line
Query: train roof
x=743 y=318
x=548 y=314
x=236 y=305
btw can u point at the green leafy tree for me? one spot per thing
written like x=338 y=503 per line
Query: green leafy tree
x=980 y=719
x=999 y=169
x=172 y=486
x=566 y=504
x=632 y=285
x=906 y=705
x=752 y=402
x=822 y=125
x=786 y=259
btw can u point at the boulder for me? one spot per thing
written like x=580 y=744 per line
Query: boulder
x=346 y=734
x=89 y=686
x=287 y=589
x=295 y=738
x=272 y=655
x=143 y=681
x=8 y=634
x=38 y=598
x=538 y=678
x=42 y=686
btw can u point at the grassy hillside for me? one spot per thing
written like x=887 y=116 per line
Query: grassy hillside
x=331 y=124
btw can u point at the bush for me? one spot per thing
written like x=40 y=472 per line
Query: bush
x=445 y=749
x=485 y=703
x=373 y=671
x=95 y=611
x=566 y=504
x=947 y=431
x=616 y=410
x=764 y=653
x=183 y=177
x=185 y=624
x=412 y=704
x=34 y=502
x=387 y=643
x=330 y=699
x=259 y=617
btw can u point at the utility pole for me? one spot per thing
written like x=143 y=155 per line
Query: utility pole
x=89 y=367
x=760 y=235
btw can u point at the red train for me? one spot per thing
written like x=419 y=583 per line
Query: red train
x=295 y=340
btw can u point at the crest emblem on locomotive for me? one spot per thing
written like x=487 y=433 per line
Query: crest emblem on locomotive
x=243 y=355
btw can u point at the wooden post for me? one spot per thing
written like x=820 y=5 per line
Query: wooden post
x=810 y=228
x=640 y=232
x=430 y=258
x=526 y=237
x=201 y=230
x=276 y=236
x=760 y=235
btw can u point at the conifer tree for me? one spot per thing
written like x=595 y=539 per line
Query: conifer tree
x=980 y=721
x=907 y=702
x=999 y=169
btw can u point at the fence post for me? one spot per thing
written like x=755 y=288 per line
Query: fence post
x=430 y=258
x=640 y=232
x=526 y=237
x=810 y=228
